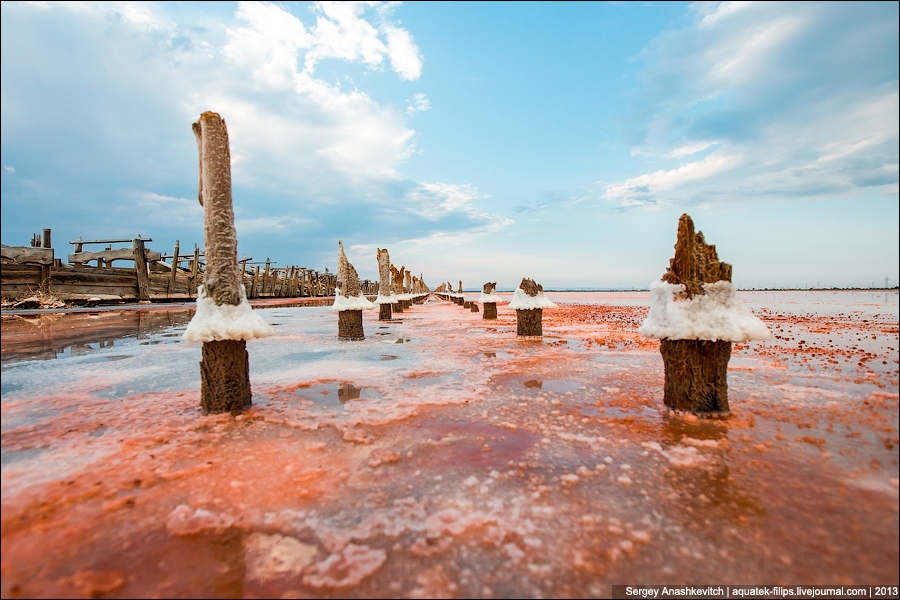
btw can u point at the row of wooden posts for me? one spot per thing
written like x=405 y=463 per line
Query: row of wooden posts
x=695 y=369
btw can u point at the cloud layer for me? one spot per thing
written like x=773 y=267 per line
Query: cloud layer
x=766 y=99
x=313 y=159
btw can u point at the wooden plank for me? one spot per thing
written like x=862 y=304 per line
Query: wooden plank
x=108 y=256
x=80 y=241
x=26 y=255
x=174 y=268
x=76 y=277
x=140 y=268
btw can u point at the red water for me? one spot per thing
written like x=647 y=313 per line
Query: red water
x=468 y=463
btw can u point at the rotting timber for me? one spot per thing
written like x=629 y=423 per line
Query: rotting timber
x=159 y=277
x=696 y=371
x=225 y=364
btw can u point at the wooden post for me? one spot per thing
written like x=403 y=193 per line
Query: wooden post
x=350 y=325
x=696 y=371
x=225 y=364
x=529 y=321
x=350 y=322
x=384 y=283
x=78 y=245
x=490 y=310
x=46 y=239
x=528 y=305
x=265 y=279
x=255 y=284
x=140 y=270
x=175 y=261
x=195 y=269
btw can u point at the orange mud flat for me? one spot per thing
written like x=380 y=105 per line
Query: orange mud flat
x=445 y=457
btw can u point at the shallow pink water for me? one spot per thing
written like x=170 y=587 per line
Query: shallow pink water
x=443 y=457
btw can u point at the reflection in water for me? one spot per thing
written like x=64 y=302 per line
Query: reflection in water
x=348 y=391
x=534 y=383
x=58 y=335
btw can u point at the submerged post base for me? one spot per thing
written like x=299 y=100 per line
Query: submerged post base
x=529 y=322
x=350 y=325
x=696 y=375
x=397 y=307
x=225 y=377
x=384 y=312
x=490 y=310
x=473 y=306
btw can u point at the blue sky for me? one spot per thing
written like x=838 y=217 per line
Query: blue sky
x=476 y=141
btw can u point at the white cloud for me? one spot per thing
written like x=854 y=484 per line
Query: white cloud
x=645 y=188
x=419 y=103
x=798 y=98
x=403 y=52
x=689 y=149
x=268 y=224
x=9 y=169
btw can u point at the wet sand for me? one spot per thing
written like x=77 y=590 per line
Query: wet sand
x=445 y=457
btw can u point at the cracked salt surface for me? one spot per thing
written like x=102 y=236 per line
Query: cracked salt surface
x=471 y=464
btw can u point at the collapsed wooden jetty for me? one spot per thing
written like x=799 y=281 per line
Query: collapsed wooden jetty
x=153 y=276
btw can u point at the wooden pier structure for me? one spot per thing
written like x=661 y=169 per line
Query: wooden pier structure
x=153 y=276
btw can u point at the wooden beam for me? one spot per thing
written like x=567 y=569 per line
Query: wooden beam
x=108 y=256
x=140 y=269
x=28 y=255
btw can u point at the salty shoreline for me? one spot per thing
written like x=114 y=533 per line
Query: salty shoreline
x=443 y=456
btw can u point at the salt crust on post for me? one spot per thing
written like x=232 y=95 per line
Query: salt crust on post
x=215 y=323
x=522 y=301
x=716 y=315
x=392 y=299
x=492 y=297
x=353 y=303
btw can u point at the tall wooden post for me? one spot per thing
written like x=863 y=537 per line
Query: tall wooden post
x=140 y=269
x=384 y=299
x=225 y=365
x=175 y=261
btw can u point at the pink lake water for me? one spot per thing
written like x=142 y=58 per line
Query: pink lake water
x=443 y=456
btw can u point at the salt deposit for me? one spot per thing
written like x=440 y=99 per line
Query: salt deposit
x=714 y=315
x=444 y=456
x=213 y=322
x=522 y=301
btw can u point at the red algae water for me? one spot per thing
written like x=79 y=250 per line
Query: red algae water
x=445 y=457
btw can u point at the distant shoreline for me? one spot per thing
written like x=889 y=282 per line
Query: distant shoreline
x=787 y=289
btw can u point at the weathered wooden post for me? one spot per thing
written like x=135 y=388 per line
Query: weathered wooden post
x=140 y=269
x=490 y=299
x=349 y=301
x=695 y=313
x=396 y=289
x=385 y=298
x=529 y=302
x=224 y=320
x=171 y=287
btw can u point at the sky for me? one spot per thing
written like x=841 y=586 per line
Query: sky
x=476 y=141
